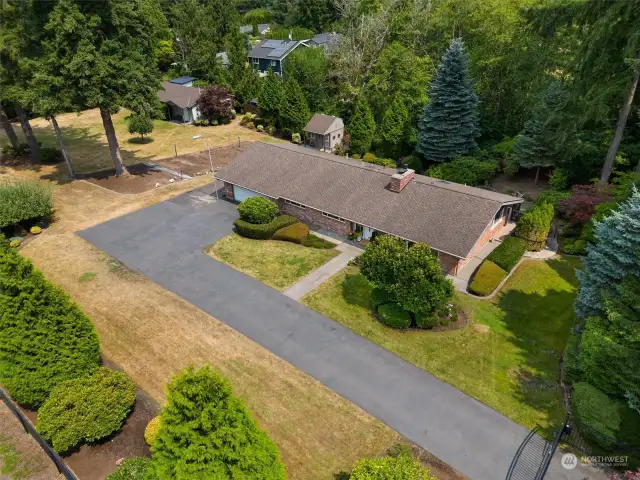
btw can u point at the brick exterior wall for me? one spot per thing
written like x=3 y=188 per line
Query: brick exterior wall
x=315 y=217
x=227 y=191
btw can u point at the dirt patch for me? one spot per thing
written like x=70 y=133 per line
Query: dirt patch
x=481 y=328
x=441 y=470
x=523 y=182
x=142 y=178
x=197 y=163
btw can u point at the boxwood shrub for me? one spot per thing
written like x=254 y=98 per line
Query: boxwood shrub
x=24 y=200
x=263 y=231
x=134 y=468
x=426 y=320
x=487 y=278
x=295 y=233
x=508 y=253
x=394 y=316
x=86 y=409
x=258 y=210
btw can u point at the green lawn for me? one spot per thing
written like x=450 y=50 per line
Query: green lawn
x=506 y=357
x=278 y=264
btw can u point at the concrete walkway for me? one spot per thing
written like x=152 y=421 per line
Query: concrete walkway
x=164 y=242
x=322 y=274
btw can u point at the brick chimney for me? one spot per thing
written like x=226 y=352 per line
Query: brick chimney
x=401 y=178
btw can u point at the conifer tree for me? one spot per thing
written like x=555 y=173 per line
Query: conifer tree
x=362 y=128
x=271 y=96
x=207 y=432
x=393 y=130
x=449 y=125
x=613 y=257
x=535 y=145
x=294 y=110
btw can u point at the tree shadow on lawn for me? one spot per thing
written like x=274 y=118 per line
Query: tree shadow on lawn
x=356 y=290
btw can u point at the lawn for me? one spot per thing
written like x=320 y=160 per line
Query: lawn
x=506 y=357
x=277 y=263
x=152 y=334
x=89 y=152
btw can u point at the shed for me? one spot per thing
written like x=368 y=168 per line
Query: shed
x=324 y=132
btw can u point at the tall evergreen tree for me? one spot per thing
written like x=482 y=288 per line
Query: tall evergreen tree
x=237 y=49
x=362 y=128
x=535 y=146
x=449 y=125
x=614 y=256
x=271 y=96
x=394 y=127
x=247 y=88
x=294 y=110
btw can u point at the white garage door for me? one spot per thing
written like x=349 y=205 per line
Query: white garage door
x=240 y=194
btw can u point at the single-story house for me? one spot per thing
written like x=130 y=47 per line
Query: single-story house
x=345 y=195
x=271 y=54
x=248 y=29
x=180 y=100
x=324 y=132
x=328 y=41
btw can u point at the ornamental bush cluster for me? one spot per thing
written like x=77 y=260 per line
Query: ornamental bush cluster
x=394 y=316
x=465 y=170
x=86 y=409
x=257 y=210
x=134 y=468
x=263 y=231
x=487 y=278
x=45 y=338
x=400 y=467
x=508 y=253
x=295 y=233
x=534 y=226
x=24 y=201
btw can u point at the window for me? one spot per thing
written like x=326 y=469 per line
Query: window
x=274 y=63
x=295 y=204
x=498 y=217
x=334 y=137
x=333 y=217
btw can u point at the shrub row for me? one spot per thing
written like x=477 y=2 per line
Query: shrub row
x=24 y=200
x=487 y=278
x=45 y=338
x=534 y=226
x=394 y=316
x=508 y=253
x=465 y=170
x=258 y=210
x=385 y=162
x=263 y=231
x=86 y=409
x=314 y=241
x=295 y=233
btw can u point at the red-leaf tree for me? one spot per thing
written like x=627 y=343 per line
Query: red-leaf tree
x=215 y=101
x=581 y=205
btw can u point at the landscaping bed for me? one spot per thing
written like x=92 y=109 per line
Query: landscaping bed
x=142 y=178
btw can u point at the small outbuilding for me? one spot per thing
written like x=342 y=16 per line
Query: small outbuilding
x=180 y=99
x=324 y=132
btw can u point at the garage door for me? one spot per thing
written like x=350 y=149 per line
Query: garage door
x=240 y=194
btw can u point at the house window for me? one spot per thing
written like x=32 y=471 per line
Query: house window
x=333 y=217
x=274 y=63
x=295 y=204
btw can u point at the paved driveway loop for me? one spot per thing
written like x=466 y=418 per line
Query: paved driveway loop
x=164 y=242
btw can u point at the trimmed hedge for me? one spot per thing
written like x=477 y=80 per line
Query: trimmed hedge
x=426 y=320
x=258 y=210
x=44 y=337
x=487 y=278
x=295 y=233
x=134 y=468
x=24 y=200
x=263 y=231
x=534 y=226
x=508 y=253
x=394 y=316
x=86 y=409
x=314 y=241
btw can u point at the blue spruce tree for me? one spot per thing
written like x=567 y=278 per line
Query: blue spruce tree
x=614 y=256
x=449 y=125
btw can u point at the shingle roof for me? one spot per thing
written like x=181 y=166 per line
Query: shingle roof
x=183 y=97
x=327 y=40
x=445 y=215
x=273 y=49
x=182 y=80
x=320 y=123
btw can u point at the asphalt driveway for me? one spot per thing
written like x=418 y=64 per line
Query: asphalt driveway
x=164 y=242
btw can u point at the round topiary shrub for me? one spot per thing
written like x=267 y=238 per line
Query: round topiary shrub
x=15 y=243
x=394 y=316
x=35 y=230
x=257 y=210
x=296 y=138
x=86 y=409
x=426 y=320
x=152 y=430
x=134 y=468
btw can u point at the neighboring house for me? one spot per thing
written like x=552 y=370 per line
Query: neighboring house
x=270 y=54
x=248 y=29
x=345 y=195
x=328 y=41
x=324 y=132
x=180 y=98
x=224 y=59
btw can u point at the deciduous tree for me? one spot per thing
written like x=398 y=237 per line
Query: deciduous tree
x=215 y=102
x=140 y=123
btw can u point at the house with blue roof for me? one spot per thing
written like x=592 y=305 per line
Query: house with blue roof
x=271 y=54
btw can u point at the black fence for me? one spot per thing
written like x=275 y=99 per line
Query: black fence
x=30 y=429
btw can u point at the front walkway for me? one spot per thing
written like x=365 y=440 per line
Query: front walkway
x=322 y=274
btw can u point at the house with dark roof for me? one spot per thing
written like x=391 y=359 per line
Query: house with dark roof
x=324 y=132
x=271 y=54
x=180 y=98
x=349 y=196
x=328 y=41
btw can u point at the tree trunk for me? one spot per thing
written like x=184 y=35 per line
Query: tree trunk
x=114 y=147
x=622 y=121
x=28 y=133
x=537 y=174
x=63 y=148
x=8 y=128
